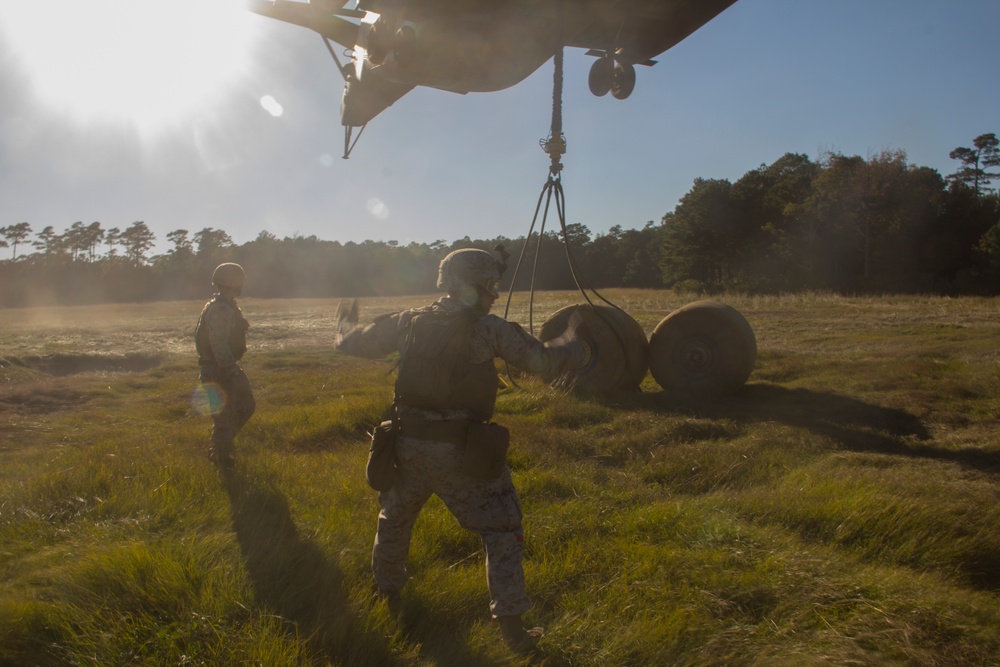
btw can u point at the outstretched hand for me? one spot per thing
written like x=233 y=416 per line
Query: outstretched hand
x=579 y=340
x=347 y=318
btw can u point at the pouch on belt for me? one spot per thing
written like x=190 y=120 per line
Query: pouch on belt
x=381 y=469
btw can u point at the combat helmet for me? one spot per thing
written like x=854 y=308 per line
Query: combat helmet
x=228 y=275
x=469 y=267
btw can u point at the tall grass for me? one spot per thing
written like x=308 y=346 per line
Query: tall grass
x=839 y=510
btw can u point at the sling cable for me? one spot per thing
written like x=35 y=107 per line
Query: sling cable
x=611 y=366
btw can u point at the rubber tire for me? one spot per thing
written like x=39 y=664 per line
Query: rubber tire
x=702 y=350
x=620 y=349
x=622 y=81
x=602 y=74
x=404 y=45
x=378 y=44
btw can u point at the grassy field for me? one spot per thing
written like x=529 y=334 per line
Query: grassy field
x=842 y=509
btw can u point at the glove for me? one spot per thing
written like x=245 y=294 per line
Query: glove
x=579 y=343
x=347 y=319
x=575 y=341
x=347 y=314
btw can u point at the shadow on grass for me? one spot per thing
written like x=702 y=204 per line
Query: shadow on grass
x=855 y=425
x=71 y=364
x=422 y=627
x=295 y=578
x=333 y=436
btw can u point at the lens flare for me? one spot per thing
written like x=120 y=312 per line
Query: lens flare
x=378 y=208
x=148 y=62
x=208 y=398
x=272 y=106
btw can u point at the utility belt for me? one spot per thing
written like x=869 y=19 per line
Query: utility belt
x=211 y=372
x=483 y=446
x=454 y=431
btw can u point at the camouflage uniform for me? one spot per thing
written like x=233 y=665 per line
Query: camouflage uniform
x=221 y=342
x=488 y=508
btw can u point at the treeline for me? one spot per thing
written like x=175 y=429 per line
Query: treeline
x=311 y=267
x=843 y=224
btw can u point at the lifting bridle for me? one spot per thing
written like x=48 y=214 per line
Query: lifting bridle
x=555 y=147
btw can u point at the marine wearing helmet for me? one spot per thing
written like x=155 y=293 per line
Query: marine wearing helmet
x=465 y=273
x=229 y=275
x=220 y=340
x=447 y=384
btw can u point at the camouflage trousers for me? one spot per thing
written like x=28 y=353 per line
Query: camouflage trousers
x=232 y=404
x=490 y=509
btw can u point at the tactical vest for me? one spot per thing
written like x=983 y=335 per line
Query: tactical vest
x=435 y=368
x=237 y=334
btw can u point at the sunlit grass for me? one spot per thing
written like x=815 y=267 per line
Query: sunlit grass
x=840 y=509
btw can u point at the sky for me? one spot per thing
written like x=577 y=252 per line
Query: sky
x=205 y=115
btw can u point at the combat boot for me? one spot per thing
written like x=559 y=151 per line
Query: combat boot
x=222 y=457
x=393 y=600
x=517 y=638
x=221 y=452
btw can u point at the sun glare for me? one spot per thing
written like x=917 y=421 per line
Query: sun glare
x=147 y=62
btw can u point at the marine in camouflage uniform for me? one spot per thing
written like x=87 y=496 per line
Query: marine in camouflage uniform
x=432 y=436
x=220 y=340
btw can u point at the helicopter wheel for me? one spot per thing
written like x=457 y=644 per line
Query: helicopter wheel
x=378 y=46
x=622 y=81
x=601 y=76
x=404 y=44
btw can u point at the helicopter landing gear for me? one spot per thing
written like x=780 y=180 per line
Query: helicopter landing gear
x=404 y=44
x=623 y=81
x=607 y=75
x=378 y=42
x=601 y=76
